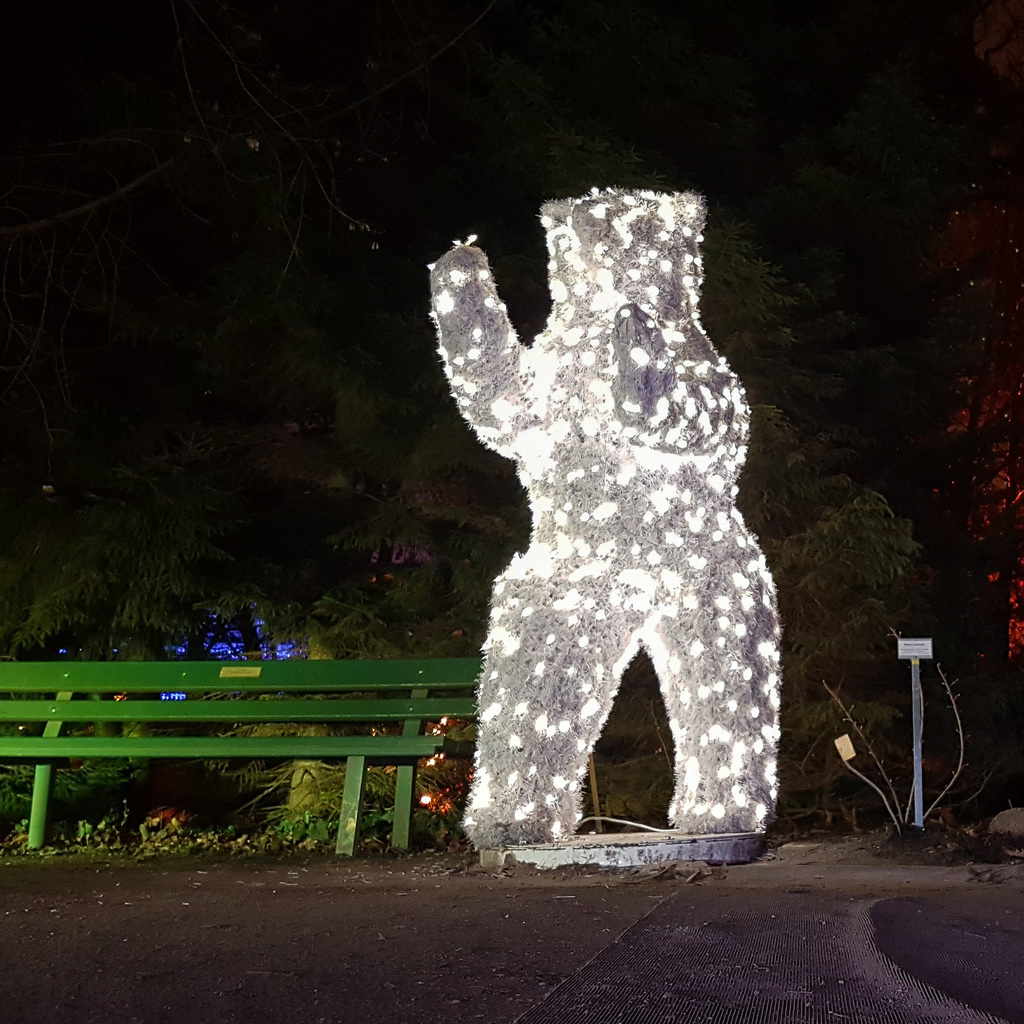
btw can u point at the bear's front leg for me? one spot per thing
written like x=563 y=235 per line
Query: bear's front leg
x=646 y=379
x=482 y=356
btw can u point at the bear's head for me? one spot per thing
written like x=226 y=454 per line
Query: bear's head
x=617 y=248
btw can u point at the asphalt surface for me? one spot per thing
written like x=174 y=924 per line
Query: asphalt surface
x=424 y=940
x=805 y=957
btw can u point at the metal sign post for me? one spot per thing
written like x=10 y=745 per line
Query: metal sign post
x=914 y=650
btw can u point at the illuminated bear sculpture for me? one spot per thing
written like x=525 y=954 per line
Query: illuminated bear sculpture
x=628 y=431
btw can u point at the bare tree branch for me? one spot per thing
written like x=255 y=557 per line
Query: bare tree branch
x=35 y=226
x=960 y=737
x=423 y=64
x=892 y=814
x=848 y=715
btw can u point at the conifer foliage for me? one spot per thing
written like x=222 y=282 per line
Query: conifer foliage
x=219 y=404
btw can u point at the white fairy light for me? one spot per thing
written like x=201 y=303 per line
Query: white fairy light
x=628 y=431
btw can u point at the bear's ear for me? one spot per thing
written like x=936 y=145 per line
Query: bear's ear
x=639 y=348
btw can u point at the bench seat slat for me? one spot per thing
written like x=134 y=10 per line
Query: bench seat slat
x=337 y=710
x=376 y=749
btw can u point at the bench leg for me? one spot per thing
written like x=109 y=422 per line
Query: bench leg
x=405 y=788
x=42 y=787
x=351 y=806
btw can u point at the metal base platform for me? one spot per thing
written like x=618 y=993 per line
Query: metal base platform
x=631 y=849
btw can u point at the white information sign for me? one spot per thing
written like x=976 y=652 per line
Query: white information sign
x=920 y=647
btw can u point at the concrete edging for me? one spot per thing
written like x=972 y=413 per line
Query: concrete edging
x=633 y=849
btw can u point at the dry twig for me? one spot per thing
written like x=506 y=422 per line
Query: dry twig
x=900 y=820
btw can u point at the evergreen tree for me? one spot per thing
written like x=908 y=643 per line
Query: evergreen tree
x=219 y=405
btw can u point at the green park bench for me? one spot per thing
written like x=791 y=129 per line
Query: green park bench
x=169 y=697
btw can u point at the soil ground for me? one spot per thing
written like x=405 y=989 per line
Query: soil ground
x=415 y=940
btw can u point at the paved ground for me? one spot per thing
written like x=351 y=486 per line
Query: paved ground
x=805 y=937
x=761 y=957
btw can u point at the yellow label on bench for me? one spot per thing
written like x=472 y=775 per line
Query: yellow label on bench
x=241 y=671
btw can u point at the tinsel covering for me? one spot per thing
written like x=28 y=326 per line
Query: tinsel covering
x=628 y=431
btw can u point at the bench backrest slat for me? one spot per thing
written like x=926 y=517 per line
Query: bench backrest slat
x=329 y=710
x=226 y=677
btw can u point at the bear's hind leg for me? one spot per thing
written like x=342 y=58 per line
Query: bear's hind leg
x=545 y=691
x=721 y=695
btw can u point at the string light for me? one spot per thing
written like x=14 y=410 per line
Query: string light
x=628 y=431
